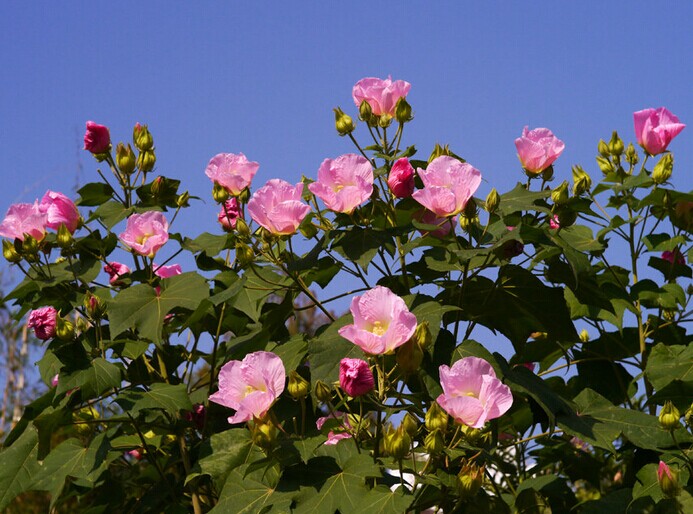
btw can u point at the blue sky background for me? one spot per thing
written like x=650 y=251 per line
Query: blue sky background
x=262 y=78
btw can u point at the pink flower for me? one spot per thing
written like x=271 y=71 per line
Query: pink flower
x=277 y=206
x=401 y=178
x=135 y=454
x=431 y=218
x=655 y=128
x=664 y=471
x=97 y=139
x=145 y=233
x=54 y=380
x=355 y=377
x=554 y=223
x=22 y=219
x=229 y=213
x=382 y=321
x=334 y=437
x=448 y=185
x=196 y=416
x=538 y=149
x=674 y=257
x=381 y=95
x=471 y=392
x=250 y=386
x=115 y=271
x=43 y=322
x=59 y=210
x=233 y=172
x=167 y=271
x=344 y=183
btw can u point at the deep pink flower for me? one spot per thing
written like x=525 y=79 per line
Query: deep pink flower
x=448 y=185
x=431 y=218
x=59 y=210
x=278 y=207
x=43 y=322
x=115 y=271
x=664 y=471
x=135 y=454
x=334 y=437
x=554 y=223
x=382 y=321
x=196 y=416
x=471 y=392
x=344 y=183
x=674 y=257
x=231 y=171
x=167 y=271
x=655 y=128
x=97 y=139
x=229 y=213
x=355 y=377
x=145 y=233
x=24 y=218
x=250 y=386
x=538 y=149
x=401 y=178
x=381 y=95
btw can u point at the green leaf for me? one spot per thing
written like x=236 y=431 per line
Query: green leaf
x=292 y=352
x=616 y=501
x=361 y=245
x=222 y=453
x=18 y=466
x=211 y=244
x=668 y=363
x=94 y=193
x=111 y=213
x=520 y=199
x=166 y=397
x=380 y=500
x=140 y=308
x=98 y=378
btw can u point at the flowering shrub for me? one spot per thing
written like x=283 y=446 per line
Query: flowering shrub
x=188 y=391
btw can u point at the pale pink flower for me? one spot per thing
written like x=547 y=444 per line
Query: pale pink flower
x=146 y=233
x=278 y=207
x=344 y=183
x=471 y=392
x=655 y=128
x=382 y=321
x=97 y=139
x=43 y=322
x=554 y=222
x=674 y=257
x=167 y=271
x=401 y=178
x=355 y=377
x=334 y=437
x=229 y=213
x=59 y=210
x=250 y=386
x=234 y=172
x=431 y=218
x=381 y=95
x=22 y=219
x=537 y=149
x=115 y=271
x=448 y=185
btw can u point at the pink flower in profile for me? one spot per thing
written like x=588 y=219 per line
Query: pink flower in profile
x=334 y=437
x=663 y=471
x=401 y=178
x=43 y=322
x=674 y=257
x=431 y=218
x=167 y=271
x=135 y=454
x=250 y=386
x=344 y=183
x=229 y=213
x=24 y=218
x=234 y=172
x=97 y=139
x=538 y=149
x=115 y=271
x=554 y=222
x=448 y=185
x=278 y=207
x=145 y=233
x=381 y=95
x=59 y=210
x=355 y=377
x=54 y=380
x=471 y=392
x=655 y=128
x=382 y=321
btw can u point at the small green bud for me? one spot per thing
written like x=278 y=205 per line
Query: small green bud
x=298 y=387
x=142 y=138
x=582 y=182
x=30 y=245
x=157 y=185
x=603 y=148
x=616 y=144
x=470 y=209
x=668 y=480
x=436 y=418
x=82 y=325
x=467 y=223
x=631 y=155
x=182 y=200
x=397 y=442
x=403 y=111
x=470 y=479
x=323 y=392
x=244 y=253
x=669 y=416
x=64 y=237
x=605 y=165
x=125 y=159
x=263 y=434
x=669 y=314
x=242 y=228
x=492 y=201
x=434 y=442
x=409 y=357
x=560 y=195
x=423 y=336
x=93 y=306
x=146 y=160
x=220 y=194
x=663 y=169
x=64 y=329
x=244 y=196
x=546 y=175
x=343 y=122
x=584 y=335
x=308 y=230
x=365 y=112
x=410 y=424
x=10 y=252
x=385 y=120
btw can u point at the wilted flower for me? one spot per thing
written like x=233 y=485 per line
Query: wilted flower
x=229 y=213
x=344 y=183
x=554 y=222
x=334 y=437
x=278 y=207
x=234 y=172
x=97 y=139
x=115 y=271
x=674 y=257
x=22 y=219
x=43 y=321
x=355 y=377
x=59 y=210
x=655 y=128
x=537 y=149
x=381 y=95
x=448 y=185
x=146 y=233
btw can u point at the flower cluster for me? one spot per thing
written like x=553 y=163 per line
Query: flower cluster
x=54 y=210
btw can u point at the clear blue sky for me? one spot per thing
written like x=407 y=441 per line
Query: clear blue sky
x=262 y=78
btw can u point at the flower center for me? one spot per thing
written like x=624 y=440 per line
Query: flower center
x=379 y=328
x=141 y=239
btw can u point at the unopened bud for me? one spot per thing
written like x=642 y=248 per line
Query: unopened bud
x=605 y=165
x=547 y=174
x=219 y=193
x=436 y=418
x=470 y=209
x=30 y=245
x=125 y=159
x=467 y=223
x=434 y=442
x=582 y=182
x=669 y=416
x=439 y=150
x=182 y=200
x=403 y=111
x=631 y=155
x=263 y=434
x=93 y=306
x=64 y=237
x=242 y=228
x=663 y=169
x=397 y=442
x=323 y=392
x=492 y=201
x=470 y=479
x=10 y=252
x=142 y=138
x=616 y=144
x=365 y=112
x=668 y=480
x=64 y=329
x=584 y=336
x=146 y=160
x=308 y=230
x=409 y=356
x=385 y=120
x=603 y=148
x=298 y=387
x=410 y=424
x=244 y=254
x=343 y=122
x=157 y=185
x=423 y=336
x=559 y=195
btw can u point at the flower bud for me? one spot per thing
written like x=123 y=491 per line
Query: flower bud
x=263 y=434
x=436 y=418
x=663 y=169
x=10 y=252
x=668 y=480
x=470 y=479
x=559 y=195
x=410 y=424
x=403 y=111
x=434 y=442
x=603 y=148
x=64 y=329
x=546 y=175
x=244 y=195
x=467 y=223
x=219 y=193
x=81 y=418
x=125 y=159
x=470 y=209
x=631 y=155
x=399 y=444
x=384 y=120
x=244 y=254
x=584 y=336
x=323 y=392
x=492 y=201
x=409 y=356
x=64 y=237
x=146 y=161
x=242 y=228
x=182 y=200
x=30 y=246
x=343 y=122
x=298 y=387
x=308 y=230
x=669 y=416
x=142 y=138
x=439 y=150
x=365 y=112
x=605 y=165
x=582 y=182
x=93 y=306
x=423 y=336
x=157 y=185
x=616 y=144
